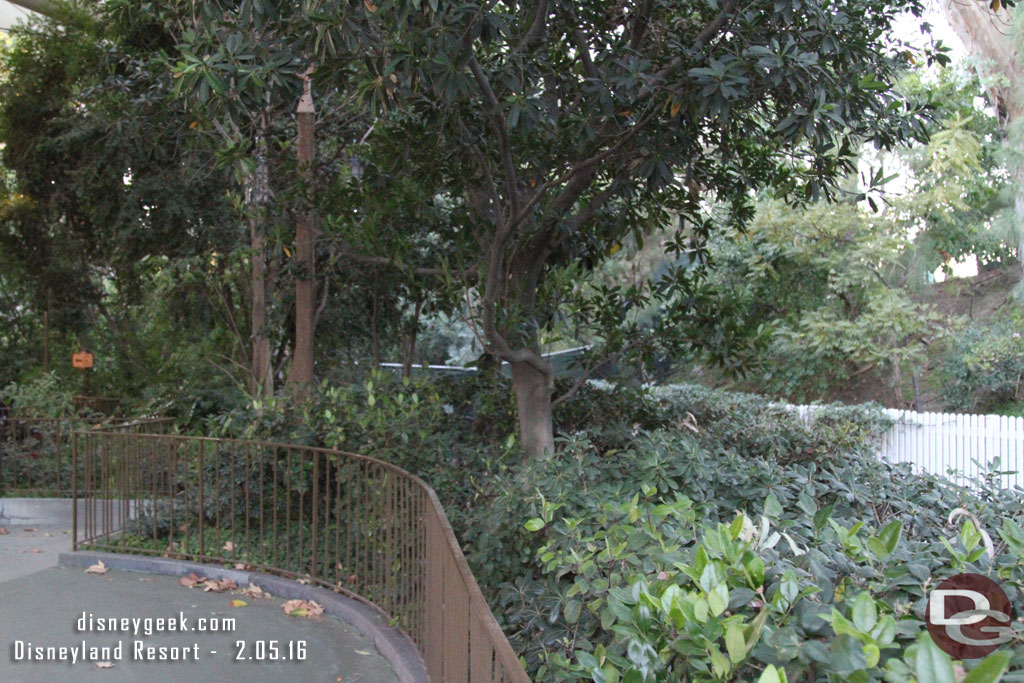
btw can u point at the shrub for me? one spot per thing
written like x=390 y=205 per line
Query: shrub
x=42 y=397
x=985 y=367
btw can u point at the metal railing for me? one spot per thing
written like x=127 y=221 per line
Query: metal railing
x=103 y=405
x=36 y=452
x=35 y=456
x=346 y=522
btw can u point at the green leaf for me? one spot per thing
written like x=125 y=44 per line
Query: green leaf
x=718 y=599
x=755 y=568
x=890 y=535
x=990 y=669
x=807 y=504
x=931 y=664
x=772 y=507
x=736 y=527
x=865 y=614
x=572 y=611
x=871 y=655
x=735 y=643
x=719 y=663
x=772 y=675
x=535 y=524
x=969 y=536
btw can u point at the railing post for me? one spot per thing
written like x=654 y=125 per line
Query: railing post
x=316 y=506
x=74 y=491
x=202 y=499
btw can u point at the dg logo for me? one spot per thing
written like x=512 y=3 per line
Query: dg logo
x=969 y=616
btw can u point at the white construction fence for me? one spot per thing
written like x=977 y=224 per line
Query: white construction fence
x=966 y=444
x=941 y=443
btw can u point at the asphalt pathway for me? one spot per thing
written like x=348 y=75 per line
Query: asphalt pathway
x=44 y=607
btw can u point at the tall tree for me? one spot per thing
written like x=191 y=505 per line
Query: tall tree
x=987 y=30
x=564 y=127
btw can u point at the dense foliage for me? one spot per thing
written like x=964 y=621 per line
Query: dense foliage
x=985 y=367
x=682 y=533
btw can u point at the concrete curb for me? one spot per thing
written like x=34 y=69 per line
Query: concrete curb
x=37 y=511
x=394 y=646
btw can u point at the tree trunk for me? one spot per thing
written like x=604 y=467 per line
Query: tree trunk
x=262 y=381
x=533 y=391
x=410 y=348
x=257 y=195
x=300 y=376
x=989 y=36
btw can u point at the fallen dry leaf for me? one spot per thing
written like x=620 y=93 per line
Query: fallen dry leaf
x=98 y=568
x=105 y=665
x=363 y=652
x=34 y=550
x=3 y=530
x=47 y=534
x=219 y=586
x=302 y=608
x=239 y=603
x=254 y=591
x=191 y=580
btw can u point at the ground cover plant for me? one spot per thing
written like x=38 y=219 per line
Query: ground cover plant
x=717 y=548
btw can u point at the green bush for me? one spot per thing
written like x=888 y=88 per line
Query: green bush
x=680 y=533
x=737 y=540
x=985 y=367
x=41 y=397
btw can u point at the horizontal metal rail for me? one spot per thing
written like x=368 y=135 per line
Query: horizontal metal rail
x=350 y=523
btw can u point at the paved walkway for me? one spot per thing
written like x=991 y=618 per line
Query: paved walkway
x=41 y=606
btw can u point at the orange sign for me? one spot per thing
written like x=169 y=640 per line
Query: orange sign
x=82 y=359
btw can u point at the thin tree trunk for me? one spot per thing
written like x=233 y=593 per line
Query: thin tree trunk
x=258 y=193
x=533 y=391
x=300 y=376
x=410 y=349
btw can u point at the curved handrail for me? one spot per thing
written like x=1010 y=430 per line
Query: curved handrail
x=349 y=522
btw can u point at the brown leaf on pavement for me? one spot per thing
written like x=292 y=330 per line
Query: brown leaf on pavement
x=191 y=580
x=254 y=591
x=302 y=608
x=98 y=568
x=219 y=586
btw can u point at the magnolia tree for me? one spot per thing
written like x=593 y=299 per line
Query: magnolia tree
x=565 y=128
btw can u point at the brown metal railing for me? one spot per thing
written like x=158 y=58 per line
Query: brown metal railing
x=36 y=452
x=347 y=522
x=96 y=404
x=35 y=456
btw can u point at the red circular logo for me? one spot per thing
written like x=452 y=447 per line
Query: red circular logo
x=969 y=616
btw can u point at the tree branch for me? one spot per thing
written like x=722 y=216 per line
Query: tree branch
x=499 y=127
x=537 y=27
x=643 y=17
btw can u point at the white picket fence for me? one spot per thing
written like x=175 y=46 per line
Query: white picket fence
x=965 y=444
x=961 y=447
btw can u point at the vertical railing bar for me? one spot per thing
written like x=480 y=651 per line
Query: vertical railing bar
x=315 y=507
